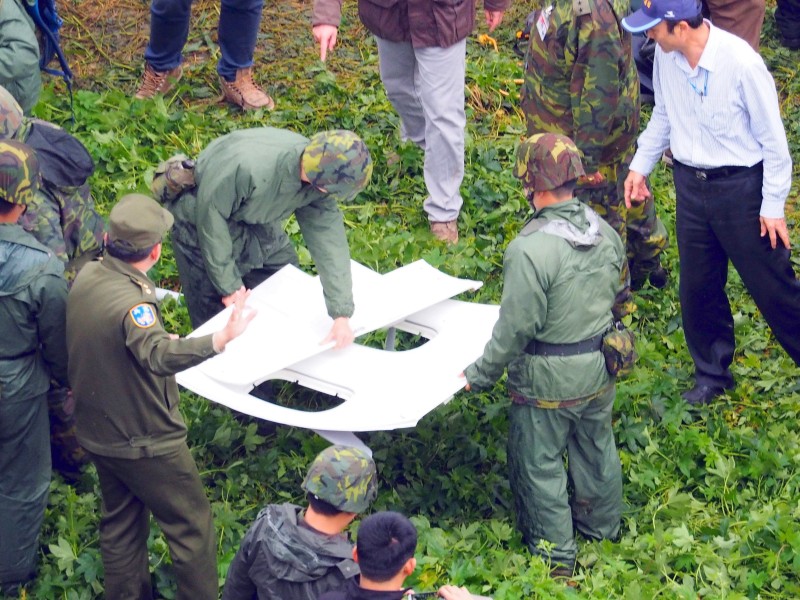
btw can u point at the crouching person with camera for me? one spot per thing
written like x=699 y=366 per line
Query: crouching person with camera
x=556 y=336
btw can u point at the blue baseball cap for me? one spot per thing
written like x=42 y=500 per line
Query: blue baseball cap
x=655 y=11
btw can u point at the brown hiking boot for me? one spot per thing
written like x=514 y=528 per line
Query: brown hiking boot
x=447 y=231
x=244 y=92
x=155 y=82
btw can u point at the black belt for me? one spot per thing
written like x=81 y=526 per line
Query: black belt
x=593 y=344
x=18 y=356
x=716 y=173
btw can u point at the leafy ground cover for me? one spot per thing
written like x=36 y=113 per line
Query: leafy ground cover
x=712 y=498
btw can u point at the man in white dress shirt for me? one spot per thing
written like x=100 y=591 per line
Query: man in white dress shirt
x=717 y=108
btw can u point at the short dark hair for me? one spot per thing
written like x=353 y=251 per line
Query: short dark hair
x=321 y=506
x=565 y=189
x=6 y=207
x=127 y=254
x=694 y=23
x=386 y=540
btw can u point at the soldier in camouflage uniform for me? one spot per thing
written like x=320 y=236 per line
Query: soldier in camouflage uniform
x=292 y=554
x=62 y=217
x=229 y=228
x=581 y=81
x=561 y=276
x=33 y=296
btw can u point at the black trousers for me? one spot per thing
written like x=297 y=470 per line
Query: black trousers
x=717 y=221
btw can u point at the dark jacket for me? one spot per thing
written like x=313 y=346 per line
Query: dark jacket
x=424 y=23
x=352 y=591
x=33 y=296
x=280 y=559
x=122 y=363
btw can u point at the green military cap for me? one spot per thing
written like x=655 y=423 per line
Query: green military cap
x=339 y=162
x=19 y=172
x=138 y=222
x=548 y=160
x=344 y=477
x=10 y=114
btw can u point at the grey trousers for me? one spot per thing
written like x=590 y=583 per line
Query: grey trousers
x=537 y=440
x=426 y=88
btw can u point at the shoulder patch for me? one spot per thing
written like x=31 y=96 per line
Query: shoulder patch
x=143 y=315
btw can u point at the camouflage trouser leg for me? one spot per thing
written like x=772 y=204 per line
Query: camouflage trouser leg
x=68 y=456
x=647 y=239
x=606 y=202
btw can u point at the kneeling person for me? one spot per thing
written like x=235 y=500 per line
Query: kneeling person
x=560 y=278
x=291 y=554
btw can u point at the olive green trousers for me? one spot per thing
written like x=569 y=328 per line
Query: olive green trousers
x=170 y=488
x=538 y=439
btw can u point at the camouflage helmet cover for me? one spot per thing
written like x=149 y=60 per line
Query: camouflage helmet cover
x=339 y=162
x=19 y=172
x=344 y=477
x=548 y=160
x=10 y=114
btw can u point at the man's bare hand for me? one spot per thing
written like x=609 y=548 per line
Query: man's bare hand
x=636 y=190
x=237 y=322
x=231 y=298
x=776 y=229
x=493 y=18
x=467 y=387
x=326 y=38
x=451 y=592
x=592 y=178
x=340 y=333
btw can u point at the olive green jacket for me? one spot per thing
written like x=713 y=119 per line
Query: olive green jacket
x=122 y=363
x=249 y=179
x=560 y=278
x=19 y=55
x=33 y=297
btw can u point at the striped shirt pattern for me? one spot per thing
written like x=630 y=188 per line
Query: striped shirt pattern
x=724 y=112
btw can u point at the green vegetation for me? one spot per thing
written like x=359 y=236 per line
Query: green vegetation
x=712 y=497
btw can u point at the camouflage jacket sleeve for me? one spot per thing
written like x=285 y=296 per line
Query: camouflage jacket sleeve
x=594 y=86
x=322 y=226
x=326 y=12
x=19 y=55
x=523 y=310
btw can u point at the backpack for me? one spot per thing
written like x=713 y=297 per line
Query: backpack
x=45 y=16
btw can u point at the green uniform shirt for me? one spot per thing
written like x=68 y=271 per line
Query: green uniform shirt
x=33 y=297
x=19 y=55
x=559 y=291
x=581 y=80
x=249 y=179
x=122 y=363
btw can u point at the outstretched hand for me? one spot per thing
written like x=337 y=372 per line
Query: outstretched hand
x=238 y=320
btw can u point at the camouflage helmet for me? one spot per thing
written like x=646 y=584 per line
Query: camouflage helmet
x=548 y=160
x=339 y=162
x=344 y=477
x=19 y=172
x=10 y=114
